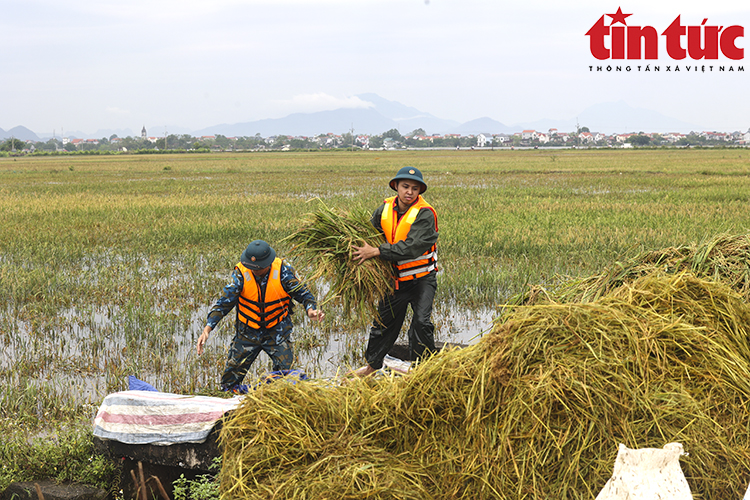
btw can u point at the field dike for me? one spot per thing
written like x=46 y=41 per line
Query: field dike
x=537 y=408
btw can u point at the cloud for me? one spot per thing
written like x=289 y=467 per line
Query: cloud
x=311 y=103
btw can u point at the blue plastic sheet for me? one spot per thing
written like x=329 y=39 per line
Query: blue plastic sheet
x=139 y=385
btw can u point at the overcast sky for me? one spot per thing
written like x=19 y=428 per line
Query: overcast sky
x=105 y=64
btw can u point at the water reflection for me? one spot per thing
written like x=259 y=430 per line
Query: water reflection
x=87 y=352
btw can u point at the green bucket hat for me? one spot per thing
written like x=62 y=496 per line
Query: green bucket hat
x=412 y=174
x=258 y=255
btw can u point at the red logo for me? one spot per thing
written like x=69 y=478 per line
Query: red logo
x=642 y=42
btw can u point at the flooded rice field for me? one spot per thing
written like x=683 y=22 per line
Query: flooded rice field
x=80 y=351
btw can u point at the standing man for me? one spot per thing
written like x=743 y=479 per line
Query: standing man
x=262 y=290
x=410 y=227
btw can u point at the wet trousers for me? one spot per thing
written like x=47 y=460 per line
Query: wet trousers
x=248 y=343
x=419 y=294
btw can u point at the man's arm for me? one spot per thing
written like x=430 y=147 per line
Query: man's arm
x=299 y=292
x=221 y=308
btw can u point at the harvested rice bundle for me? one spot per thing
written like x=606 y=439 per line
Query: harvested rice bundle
x=537 y=409
x=725 y=258
x=323 y=245
x=311 y=441
x=664 y=358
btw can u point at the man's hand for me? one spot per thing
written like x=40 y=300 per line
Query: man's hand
x=316 y=314
x=202 y=339
x=365 y=252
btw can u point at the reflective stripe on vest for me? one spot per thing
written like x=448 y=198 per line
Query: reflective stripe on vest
x=396 y=230
x=262 y=307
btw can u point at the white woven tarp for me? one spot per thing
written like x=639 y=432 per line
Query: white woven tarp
x=647 y=474
x=159 y=418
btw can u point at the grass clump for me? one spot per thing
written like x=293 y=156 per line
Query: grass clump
x=535 y=410
x=323 y=246
x=64 y=453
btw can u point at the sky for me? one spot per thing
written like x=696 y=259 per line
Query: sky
x=187 y=65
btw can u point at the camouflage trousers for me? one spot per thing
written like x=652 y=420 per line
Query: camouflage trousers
x=248 y=344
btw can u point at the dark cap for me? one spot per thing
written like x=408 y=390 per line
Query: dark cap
x=410 y=173
x=258 y=255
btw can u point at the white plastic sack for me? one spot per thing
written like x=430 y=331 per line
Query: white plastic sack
x=647 y=474
x=396 y=364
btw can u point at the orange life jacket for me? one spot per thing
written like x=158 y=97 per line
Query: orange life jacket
x=261 y=308
x=396 y=230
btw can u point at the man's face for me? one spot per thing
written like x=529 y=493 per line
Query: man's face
x=407 y=191
x=258 y=273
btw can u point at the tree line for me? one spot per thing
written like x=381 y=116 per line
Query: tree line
x=389 y=139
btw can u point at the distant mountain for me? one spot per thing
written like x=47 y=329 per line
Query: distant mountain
x=339 y=121
x=70 y=134
x=120 y=132
x=19 y=132
x=616 y=117
x=545 y=124
x=384 y=115
x=483 y=126
x=408 y=118
x=609 y=118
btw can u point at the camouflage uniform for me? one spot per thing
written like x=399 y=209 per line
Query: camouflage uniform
x=249 y=342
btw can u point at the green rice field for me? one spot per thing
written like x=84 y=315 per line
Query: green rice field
x=109 y=265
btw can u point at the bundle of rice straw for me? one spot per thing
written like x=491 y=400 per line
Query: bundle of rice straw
x=536 y=409
x=323 y=245
x=725 y=258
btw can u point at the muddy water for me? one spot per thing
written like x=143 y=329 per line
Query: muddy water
x=89 y=352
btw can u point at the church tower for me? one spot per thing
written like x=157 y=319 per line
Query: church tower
x=143 y=132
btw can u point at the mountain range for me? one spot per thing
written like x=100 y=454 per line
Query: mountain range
x=384 y=115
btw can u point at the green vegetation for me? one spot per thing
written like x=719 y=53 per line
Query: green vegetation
x=62 y=451
x=203 y=487
x=108 y=264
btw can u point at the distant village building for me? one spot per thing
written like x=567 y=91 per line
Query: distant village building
x=483 y=139
x=622 y=138
x=528 y=135
x=364 y=141
x=503 y=138
x=673 y=136
x=143 y=133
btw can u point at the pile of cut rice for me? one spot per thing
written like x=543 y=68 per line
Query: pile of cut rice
x=536 y=409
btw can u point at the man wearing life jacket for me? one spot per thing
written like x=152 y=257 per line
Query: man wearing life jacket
x=261 y=290
x=410 y=227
